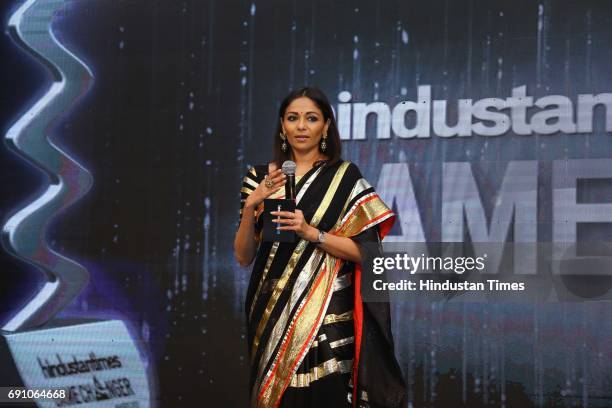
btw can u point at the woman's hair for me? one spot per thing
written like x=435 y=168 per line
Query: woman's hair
x=333 y=149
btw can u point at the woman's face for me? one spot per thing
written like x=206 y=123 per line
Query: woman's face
x=304 y=125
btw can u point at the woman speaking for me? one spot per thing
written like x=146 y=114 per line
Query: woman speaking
x=311 y=339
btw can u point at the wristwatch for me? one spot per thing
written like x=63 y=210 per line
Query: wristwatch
x=321 y=237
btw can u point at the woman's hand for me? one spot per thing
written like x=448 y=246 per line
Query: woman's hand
x=340 y=247
x=245 y=243
x=273 y=182
x=294 y=221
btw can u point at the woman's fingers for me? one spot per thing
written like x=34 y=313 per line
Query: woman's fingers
x=273 y=182
x=279 y=182
x=292 y=221
x=286 y=214
x=275 y=174
x=278 y=179
x=289 y=221
x=285 y=221
x=273 y=190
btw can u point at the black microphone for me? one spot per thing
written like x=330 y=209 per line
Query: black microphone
x=289 y=171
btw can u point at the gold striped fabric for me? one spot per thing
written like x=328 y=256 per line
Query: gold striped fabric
x=247 y=189
x=335 y=318
x=269 y=386
x=321 y=338
x=324 y=369
x=343 y=281
x=333 y=344
x=263 y=276
x=342 y=342
x=363 y=399
x=295 y=257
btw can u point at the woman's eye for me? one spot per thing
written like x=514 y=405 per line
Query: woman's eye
x=293 y=118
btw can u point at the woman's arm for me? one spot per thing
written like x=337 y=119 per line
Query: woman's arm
x=245 y=244
x=340 y=247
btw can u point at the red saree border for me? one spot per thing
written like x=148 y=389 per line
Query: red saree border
x=358 y=327
x=385 y=226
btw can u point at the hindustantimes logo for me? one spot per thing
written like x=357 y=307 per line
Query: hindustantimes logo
x=61 y=368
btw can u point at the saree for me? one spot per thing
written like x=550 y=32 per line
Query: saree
x=311 y=339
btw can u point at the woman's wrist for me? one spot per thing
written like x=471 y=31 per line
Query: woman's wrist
x=248 y=213
x=313 y=235
x=250 y=205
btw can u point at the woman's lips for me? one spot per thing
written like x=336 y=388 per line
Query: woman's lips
x=301 y=138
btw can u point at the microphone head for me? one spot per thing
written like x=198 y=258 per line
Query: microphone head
x=289 y=167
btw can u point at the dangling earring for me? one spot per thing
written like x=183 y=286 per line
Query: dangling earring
x=324 y=142
x=284 y=144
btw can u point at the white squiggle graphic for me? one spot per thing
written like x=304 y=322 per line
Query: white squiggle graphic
x=24 y=233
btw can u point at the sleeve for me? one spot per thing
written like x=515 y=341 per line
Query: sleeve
x=249 y=184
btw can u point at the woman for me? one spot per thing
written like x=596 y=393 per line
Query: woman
x=310 y=336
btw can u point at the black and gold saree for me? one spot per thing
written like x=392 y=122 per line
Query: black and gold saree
x=310 y=336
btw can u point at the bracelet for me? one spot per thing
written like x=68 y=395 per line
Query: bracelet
x=321 y=237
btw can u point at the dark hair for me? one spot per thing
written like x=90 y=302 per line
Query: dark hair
x=333 y=149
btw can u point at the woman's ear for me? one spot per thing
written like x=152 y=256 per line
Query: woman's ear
x=281 y=124
x=327 y=125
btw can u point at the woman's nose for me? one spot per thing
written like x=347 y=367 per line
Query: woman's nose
x=301 y=123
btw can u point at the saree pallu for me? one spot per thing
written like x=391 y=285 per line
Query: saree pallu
x=309 y=334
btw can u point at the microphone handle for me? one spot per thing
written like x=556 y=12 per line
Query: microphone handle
x=290 y=187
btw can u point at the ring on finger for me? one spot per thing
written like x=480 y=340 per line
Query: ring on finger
x=269 y=183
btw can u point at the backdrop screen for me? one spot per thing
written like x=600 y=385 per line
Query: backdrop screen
x=477 y=121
